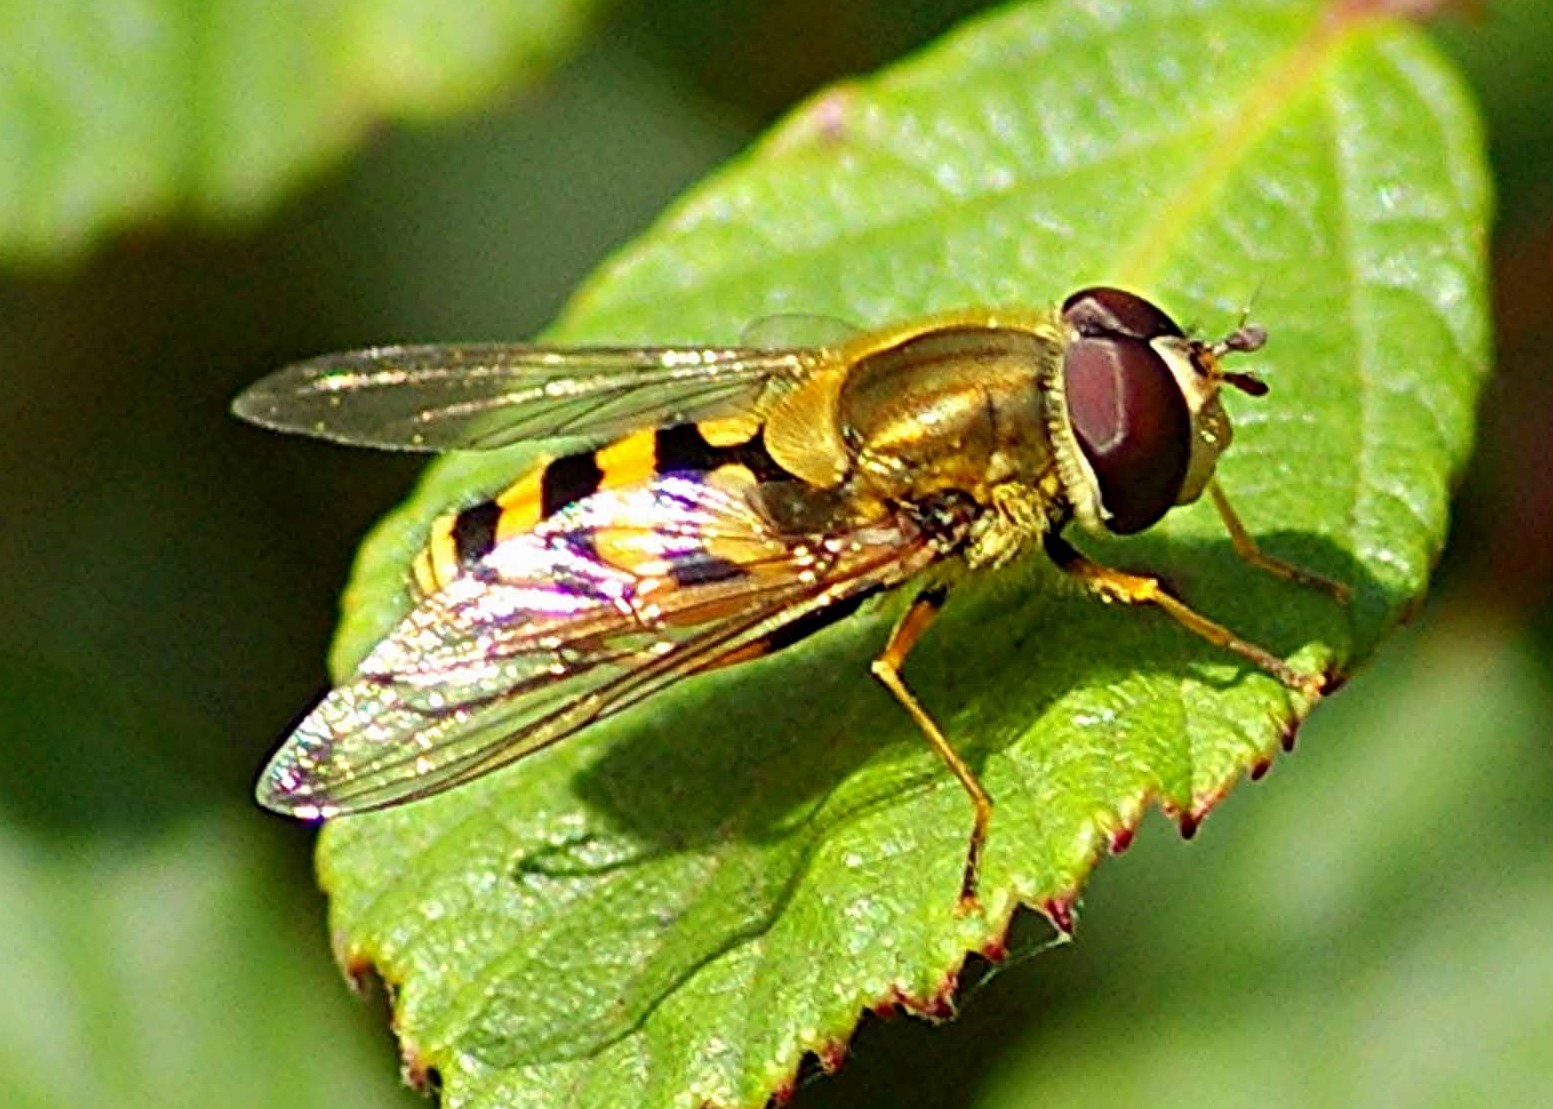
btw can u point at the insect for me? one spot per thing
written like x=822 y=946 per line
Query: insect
x=714 y=505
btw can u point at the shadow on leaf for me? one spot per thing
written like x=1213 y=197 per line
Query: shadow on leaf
x=757 y=750
x=734 y=794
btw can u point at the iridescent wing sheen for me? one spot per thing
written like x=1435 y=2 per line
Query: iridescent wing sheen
x=607 y=602
x=482 y=396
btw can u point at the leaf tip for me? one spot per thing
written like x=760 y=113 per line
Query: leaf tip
x=831 y=1055
x=1120 y=839
x=1189 y=820
x=935 y=1005
x=368 y=981
x=887 y=1009
x=420 y=1074
x=1333 y=678
x=1059 y=910
x=995 y=948
x=362 y=975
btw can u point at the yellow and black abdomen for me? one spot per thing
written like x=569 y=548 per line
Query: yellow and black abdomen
x=732 y=450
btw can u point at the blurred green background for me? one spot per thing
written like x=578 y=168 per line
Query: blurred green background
x=1370 y=926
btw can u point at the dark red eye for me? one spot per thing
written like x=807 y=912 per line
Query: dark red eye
x=1132 y=424
x=1100 y=310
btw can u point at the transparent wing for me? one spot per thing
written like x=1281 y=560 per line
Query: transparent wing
x=482 y=396
x=606 y=603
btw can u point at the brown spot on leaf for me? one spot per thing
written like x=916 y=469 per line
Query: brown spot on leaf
x=995 y=950
x=362 y=974
x=1059 y=910
x=938 y=1005
x=832 y=1055
x=1121 y=839
x=823 y=123
x=420 y=1074
x=368 y=982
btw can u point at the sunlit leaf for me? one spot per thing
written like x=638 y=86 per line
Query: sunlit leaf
x=676 y=907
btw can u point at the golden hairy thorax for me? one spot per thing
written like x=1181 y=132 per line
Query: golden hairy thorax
x=949 y=405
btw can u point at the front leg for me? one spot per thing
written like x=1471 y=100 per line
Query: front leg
x=1134 y=589
x=1246 y=547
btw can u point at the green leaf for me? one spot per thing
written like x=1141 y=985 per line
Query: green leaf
x=678 y=905
x=113 y=111
x=166 y=970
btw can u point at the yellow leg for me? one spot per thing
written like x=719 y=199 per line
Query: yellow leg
x=1134 y=589
x=887 y=669
x=1246 y=548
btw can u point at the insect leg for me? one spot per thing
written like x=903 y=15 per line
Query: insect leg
x=1134 y=589
x=1246 y=548
x=887 y=669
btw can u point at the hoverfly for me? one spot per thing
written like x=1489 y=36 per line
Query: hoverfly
x=734 y=501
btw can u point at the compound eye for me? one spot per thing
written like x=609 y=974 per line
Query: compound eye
x=1100 y=311
x=1132 y=424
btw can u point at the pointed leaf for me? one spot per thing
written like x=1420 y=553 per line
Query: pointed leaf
x=676 y=906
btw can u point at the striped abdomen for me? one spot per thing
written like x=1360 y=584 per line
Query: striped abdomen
x=733 y=450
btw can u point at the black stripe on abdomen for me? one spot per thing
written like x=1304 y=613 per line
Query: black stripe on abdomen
x=567 y=481
x=474 y=532
x=675 y=450
x=683 y=449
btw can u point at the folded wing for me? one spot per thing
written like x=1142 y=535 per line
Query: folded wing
x=482 y=396
x=604 y=604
